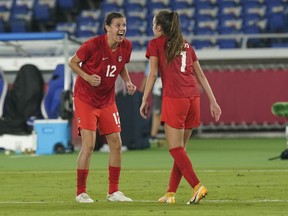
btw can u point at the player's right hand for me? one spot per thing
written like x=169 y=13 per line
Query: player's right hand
x=94 y=80
x=144 y=108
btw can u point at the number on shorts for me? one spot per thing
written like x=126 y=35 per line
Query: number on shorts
x=116 y=118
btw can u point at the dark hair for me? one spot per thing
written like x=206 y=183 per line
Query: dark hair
x=110 y=16
x=170 y=24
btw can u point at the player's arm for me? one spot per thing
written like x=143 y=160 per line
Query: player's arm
x=214 y=107
x=152 y=76
x=131 y=88
x=74 y=62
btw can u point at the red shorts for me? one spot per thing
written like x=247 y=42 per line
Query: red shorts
x=106 y=119
x=181 y=112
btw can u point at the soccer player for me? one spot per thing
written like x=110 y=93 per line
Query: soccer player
x=102 y=59
x=180 y=70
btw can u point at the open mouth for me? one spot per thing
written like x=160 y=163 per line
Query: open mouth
x=120 y=35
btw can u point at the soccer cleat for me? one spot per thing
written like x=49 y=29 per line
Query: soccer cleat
x=169 y=197
x=198 y=195
x=118 y=196
x=84 y=198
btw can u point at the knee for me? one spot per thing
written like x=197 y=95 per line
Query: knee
x=115 y=145
x=87 y=149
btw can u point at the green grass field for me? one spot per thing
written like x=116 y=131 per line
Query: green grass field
x=240 y=179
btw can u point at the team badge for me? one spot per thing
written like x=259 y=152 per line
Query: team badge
x=120 y=58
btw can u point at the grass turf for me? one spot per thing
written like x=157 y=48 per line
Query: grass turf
x=240 y=179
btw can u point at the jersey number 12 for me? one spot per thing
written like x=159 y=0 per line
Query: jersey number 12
x=110 y=70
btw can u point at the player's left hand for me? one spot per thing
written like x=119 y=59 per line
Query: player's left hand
x=131 y=88
x=215 y=111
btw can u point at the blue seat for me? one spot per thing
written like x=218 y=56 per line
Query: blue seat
x=253 y=29
x=136 y=23
x=3 y=91
x=83 y=19
x=201 y=44
x=187 y=24
x=202 y=5
x=204 y=31
x=279 y=45
x=227 y=30
x=18 y=25
x=26 y=3
x=274 y=3
x=142 y=2
x=83 y=33
x=153 y=7
x=137 y=45
x=87 y=28
x=277 y=22
x=250 y=19
x=227 y=43
x=68 y=27
x=2 y=26
x=275 y=8
x=236 y=11
x=133 y=7
x=2 y=8
x=226 y=3
x=250 y=4
x=149 y=31
x=133 y=32
x=19 y=12
x=108 y=7
x=42 y=13
x=50 y=105
x=203 y=18
x=66 y=4
x=179 y=5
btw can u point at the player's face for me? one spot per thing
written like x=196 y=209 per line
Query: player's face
x=117 y=30
x=156 y=28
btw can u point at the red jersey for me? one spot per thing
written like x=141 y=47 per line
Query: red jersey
x=178 y=78
x=97 y=58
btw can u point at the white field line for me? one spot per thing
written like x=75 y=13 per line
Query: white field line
x=144 y=201
x=142 y=171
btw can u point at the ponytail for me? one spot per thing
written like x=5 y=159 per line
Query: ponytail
x=175 y=39
x=170 y=23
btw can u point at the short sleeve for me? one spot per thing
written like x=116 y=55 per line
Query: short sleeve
x=152 y=49
x=194 y=56
x=84 y=52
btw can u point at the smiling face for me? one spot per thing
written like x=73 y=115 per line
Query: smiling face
x=116 y=30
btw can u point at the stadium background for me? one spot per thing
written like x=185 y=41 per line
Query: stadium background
x=242 y=46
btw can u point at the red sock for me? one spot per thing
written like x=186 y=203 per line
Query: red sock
x=184 y=164
x=114 y=174
x=81 y=180
x=175 y=178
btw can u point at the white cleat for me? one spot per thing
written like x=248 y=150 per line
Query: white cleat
x=118 y=196
x=83 y=198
